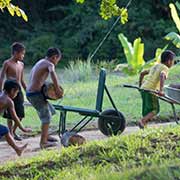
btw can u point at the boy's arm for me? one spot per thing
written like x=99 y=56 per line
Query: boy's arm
x=141 y=77
x=2 y=74
x=22 y=79
x=54 y=79
x=15 y=117
x=162 y=79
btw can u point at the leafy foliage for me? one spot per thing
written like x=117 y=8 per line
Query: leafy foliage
x=12 y=9
x=134 y=56
x=109 y=8
x=78 y=29
x=172 y=36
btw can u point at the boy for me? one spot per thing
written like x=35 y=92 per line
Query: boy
x=13 y=69
x=155 y=81
x=39 y=74
x=10 y=91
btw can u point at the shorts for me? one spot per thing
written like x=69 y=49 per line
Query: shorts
x=150 y=103
x=19 y=107
x=3 y=130
x=44 y=109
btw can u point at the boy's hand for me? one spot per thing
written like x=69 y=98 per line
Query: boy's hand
x=59 y=92
x=27 y=130
x=161 y=93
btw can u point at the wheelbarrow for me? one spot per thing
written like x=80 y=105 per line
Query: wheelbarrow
x=172 y=97
x=110 y=121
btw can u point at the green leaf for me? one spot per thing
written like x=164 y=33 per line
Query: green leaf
x=11 y=8
x=127 y=47
x=175 y=16
x=138 y=59
x=80 y=1
x=174 y=37
x=156 y=59
x=17 y=10
x=124 y=15
x=109 y=8
x=24 y=16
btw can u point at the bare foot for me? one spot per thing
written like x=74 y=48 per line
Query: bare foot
x=47 y=145
x=141 y=125
x=20 y=150
x=52 y=139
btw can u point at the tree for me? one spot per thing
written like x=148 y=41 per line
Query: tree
x=13 y=10
x=109 y=8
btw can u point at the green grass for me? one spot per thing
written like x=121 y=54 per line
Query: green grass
x=149 y=154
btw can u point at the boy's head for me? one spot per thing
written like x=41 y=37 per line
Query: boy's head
x=167 y=58
x=18 y=50
x=54 y=54
x=11 y=87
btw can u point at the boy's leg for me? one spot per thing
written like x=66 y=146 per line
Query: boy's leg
x=10 y=125
x=44 y=143
x=44 y=133
x=4 y=131
x=12 y=143
x=150 y=107
x=146 y=119
x=19 y=108
x=45 y=114
x=16 y=137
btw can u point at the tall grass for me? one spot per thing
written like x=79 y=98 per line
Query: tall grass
x=79 y=71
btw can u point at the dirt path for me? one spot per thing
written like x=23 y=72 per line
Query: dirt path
x=8 y=154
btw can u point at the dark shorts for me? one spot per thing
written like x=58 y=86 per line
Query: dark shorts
x=44 y=109
x=3 y=130
x=150 y=103
x=19 y=107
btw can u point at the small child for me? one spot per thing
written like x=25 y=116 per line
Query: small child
x=10 y=91
x=13 y=69
x=155 y=81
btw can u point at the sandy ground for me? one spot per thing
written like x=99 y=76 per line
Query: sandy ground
x=8 y=154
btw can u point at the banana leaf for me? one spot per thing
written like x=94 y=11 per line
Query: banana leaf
x=127 y=47
x=138 y=59
x=174 y=37
x=156 y=59
x=175 y=16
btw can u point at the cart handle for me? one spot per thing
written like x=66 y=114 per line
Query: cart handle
x=140 y=89
x=165 y=97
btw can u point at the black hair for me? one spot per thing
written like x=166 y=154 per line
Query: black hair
x=167 y=55
x=17 y=47
x=10 y=84
x=53 y=51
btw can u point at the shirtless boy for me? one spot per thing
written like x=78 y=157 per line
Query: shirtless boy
x=10 y=91
x=13 y=69
x=39 y=74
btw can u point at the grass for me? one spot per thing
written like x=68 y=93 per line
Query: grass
x=81 y=92
x=150 y=154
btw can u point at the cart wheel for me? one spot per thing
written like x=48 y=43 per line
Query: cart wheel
x=111 y=126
